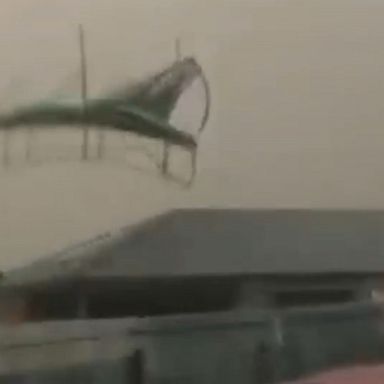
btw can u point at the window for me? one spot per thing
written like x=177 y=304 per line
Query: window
x=313 y=297
x=162 y=299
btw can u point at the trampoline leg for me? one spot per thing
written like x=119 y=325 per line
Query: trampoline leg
x=165 y=162
x=6 y=144
x=193 y=166
x=28 y=149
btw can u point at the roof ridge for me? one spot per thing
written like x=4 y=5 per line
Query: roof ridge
x=276 y=209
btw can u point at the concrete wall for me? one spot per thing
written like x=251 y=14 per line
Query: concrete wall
x=234 y=347
x=65 y=352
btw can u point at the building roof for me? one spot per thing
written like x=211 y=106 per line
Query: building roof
x=205 y=242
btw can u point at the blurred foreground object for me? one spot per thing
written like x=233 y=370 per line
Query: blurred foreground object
x=353 y=375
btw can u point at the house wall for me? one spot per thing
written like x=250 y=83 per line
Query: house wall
x=373 y=289
x=212 y=295
x=14 y=308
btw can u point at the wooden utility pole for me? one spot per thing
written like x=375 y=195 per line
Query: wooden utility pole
x=84 y=93
x=101 y=142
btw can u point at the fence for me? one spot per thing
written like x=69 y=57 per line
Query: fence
x=223 y=348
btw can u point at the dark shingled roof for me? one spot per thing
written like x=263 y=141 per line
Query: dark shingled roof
x=198 y=242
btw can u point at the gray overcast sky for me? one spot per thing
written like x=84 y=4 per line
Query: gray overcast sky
x=298 y=115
